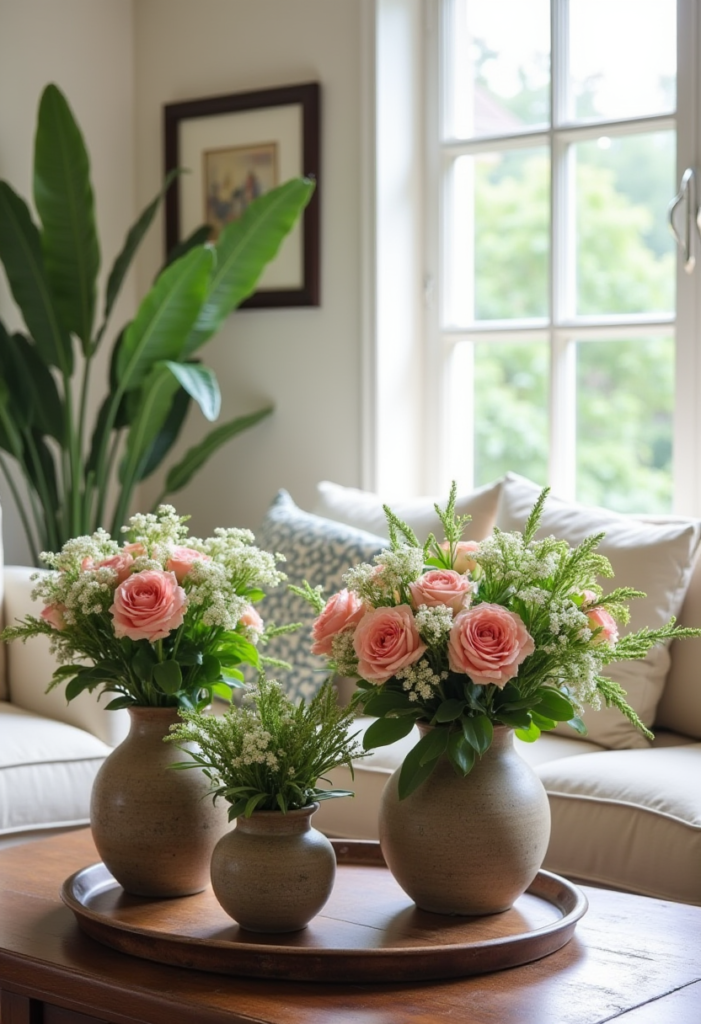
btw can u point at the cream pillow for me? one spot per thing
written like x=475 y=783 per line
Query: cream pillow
x=653 y=556
x=363 y=510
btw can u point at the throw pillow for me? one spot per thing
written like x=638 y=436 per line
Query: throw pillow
x=363 y=509
x=320 y=551
x=653 y=556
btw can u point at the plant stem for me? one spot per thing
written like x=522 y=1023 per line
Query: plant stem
x=75 y=464
x=52 y=537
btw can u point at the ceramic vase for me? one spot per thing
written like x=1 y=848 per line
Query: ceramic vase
x=273 y=872
x=468 y=845
x=155 y=828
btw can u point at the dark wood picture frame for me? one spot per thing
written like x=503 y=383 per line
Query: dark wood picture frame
x=307 y=97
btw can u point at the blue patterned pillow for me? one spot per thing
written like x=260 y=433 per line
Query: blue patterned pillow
x=320 y=551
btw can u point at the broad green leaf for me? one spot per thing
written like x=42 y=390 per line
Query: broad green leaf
x=77 y=685
x=34 y=389
x=156 y=398
x=167 y=435
x=478 y=732
x=201 y=384
x=461 y=753
x=449 y=710
x=167 y=676
x=543 y=723
x=132 y=242
x=244 y=248
x=20 y=252
x=64 y=200
x=578 y=725
x=223 y=691
x=385 y=731
x=143 y=662
x=211 y=667
x=182 y=473
x=164 y=318
x=118 y=703
x=553 y=704
x=38 y=460
x=415 y=769
x=516 y=719
x=10 y=437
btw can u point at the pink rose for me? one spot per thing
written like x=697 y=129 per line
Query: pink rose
x=442 y=586
x=462 y=555
x=600 y=618
x=385 y=640
x=121 y=563
x=148 y=605
x=252 y=620
x=343 y=611
x=135 y=550
x=488 y=643
x=181 y=559
x=53 y=614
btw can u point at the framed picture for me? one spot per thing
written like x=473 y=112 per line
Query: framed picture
x=235 y=148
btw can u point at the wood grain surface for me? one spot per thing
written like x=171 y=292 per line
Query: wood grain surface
x=631 y=957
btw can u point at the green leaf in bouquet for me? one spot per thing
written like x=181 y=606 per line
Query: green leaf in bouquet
x=143 y=662
x=414 y=770
x=329 y=794
x=383 y=702
x=79 y=684
x=118 y=703
x=516 y=719
x=461 y=753
x=211 y=668
x=553 y=705
x=544 y=724
x=529 y=735
x=478 y=732
x=385 y=731
x=578 y=725
x=434 y=744
x=168 y=676
x=449 y=710
x=223 y=691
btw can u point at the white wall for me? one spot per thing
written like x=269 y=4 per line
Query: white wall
x=306 y=361
x=86 y=48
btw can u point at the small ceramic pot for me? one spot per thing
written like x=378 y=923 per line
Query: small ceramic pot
x=154 y=828
x=472 y=844
x=273 y=872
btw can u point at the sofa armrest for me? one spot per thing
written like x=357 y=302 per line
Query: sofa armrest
x=30 y=667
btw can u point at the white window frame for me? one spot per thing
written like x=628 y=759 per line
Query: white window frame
x=408 y=384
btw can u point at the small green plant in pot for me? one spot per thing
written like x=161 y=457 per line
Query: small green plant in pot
x=273 y=872
x=81 y=476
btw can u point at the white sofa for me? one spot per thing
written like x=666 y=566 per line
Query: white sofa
x=49 y=750
x=626 y=814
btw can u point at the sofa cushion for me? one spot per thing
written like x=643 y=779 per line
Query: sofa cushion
x=680 y=705
x=629 y=820
x=655 y=557
x=46 y=771
x=363 y=509
x=356 y=817
x=320 y=551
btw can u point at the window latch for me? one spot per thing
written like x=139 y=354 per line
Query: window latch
x=687 y=194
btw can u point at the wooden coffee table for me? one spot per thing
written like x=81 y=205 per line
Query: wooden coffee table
x=632 y=959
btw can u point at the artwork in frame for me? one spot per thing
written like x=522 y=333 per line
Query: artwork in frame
x=236 y=147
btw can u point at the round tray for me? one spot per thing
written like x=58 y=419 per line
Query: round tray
x=369 y=931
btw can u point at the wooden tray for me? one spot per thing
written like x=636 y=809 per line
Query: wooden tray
x=369 y=931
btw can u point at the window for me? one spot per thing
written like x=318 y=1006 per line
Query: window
x=560 y=342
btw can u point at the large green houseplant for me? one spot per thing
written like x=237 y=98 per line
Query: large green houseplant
x=82 y=476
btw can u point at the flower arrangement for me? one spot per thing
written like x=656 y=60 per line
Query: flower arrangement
x=268 y=754
x=163 y=620
x=464 y=636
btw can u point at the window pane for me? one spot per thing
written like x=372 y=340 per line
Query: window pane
x=625 y=399
x=499 y=236
x=625 y=251
x=500 y=65
x=511 y=410
x=623 y=58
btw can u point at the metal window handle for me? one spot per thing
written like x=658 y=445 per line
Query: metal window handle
x=687 y=191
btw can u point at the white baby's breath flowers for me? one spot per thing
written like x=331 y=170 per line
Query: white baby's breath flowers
x=420 y=681
x=343 y=653
x=397 y=569
x=434 y=624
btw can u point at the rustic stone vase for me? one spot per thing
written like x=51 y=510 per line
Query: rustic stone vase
x=273 y=872
x=154 y=828
x=468 y=845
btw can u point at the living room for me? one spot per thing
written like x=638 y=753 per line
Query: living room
x=332 y=373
